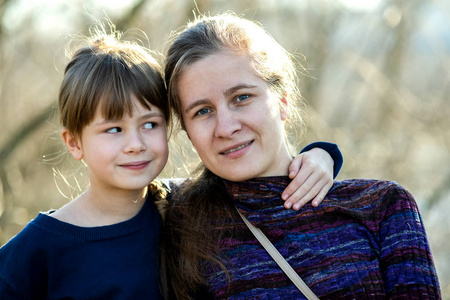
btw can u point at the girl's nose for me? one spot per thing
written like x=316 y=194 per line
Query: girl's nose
x=135 y=143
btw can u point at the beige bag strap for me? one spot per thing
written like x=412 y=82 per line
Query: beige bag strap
x=279 y=259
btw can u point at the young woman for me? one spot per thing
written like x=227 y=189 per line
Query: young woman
x=233 y=88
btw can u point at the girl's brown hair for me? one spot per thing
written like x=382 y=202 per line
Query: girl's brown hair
x=103 y=75
x=188 y=241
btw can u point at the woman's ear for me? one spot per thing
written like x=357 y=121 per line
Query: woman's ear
x=73 y=144
x=284 y=107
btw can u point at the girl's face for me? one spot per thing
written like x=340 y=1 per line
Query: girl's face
x=124 y=154
x=233 y=119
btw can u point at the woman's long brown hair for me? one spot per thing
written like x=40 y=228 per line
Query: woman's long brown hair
x=195 y=212
x=187 y=240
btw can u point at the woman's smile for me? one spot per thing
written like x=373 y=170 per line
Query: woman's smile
x=234 y=149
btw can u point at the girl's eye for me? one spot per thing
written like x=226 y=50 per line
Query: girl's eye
x=114 y=130
x=150 y=125
x=242 y=98
x=203 y=111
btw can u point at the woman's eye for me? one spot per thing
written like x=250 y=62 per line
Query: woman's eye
x=242 y=98
x=150 y=125
x=114 y=130
x=203 y=111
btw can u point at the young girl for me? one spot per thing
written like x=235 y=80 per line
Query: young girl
x=232 y=86
x=103 y=244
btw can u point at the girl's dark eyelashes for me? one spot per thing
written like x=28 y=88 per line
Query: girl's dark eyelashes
x=152 y=125
x=114 y=130
x=147 y=125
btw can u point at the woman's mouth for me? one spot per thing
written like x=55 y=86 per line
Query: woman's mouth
x=237 y=148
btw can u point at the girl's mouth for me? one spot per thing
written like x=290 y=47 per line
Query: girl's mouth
x=136 y=165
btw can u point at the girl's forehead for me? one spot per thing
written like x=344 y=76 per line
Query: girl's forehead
x=119 y=107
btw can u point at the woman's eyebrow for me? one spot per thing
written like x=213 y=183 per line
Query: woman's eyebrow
x=196 y=103
x=238 y=87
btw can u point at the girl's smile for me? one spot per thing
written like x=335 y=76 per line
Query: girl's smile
x=136 y=165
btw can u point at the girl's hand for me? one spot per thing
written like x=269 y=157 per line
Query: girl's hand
x=312 y=177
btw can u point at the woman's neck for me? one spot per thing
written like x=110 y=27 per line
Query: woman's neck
x=258 y=198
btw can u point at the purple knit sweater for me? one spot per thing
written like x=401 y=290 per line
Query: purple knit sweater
x=365 y=241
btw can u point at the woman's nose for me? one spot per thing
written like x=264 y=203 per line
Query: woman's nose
x=227 y=122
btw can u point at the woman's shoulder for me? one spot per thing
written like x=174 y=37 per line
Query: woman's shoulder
x=366 y=186
x=383 y=197
x=369 y=192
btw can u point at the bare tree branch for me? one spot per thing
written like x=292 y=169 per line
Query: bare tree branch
x=25 y=131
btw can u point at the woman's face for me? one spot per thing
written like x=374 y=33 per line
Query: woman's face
x=233 y=119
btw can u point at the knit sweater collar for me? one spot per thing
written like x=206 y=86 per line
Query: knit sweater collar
x=258 y=197
x=147 y=215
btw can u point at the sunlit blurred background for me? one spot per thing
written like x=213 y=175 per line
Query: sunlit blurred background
x=376 y=82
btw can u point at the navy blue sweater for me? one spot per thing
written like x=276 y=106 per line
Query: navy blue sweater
x=50 y=259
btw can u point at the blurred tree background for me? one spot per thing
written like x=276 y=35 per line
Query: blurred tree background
x=376 y=82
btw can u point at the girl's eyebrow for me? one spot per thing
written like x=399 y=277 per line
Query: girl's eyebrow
x=151 y=114
x=104 y=121
x=227 y=92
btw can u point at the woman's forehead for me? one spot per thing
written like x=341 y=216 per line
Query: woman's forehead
x=221 y=72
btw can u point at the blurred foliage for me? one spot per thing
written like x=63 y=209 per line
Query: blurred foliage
x=375 y=80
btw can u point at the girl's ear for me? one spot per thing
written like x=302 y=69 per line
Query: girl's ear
x=284 y=107
x=73 y=144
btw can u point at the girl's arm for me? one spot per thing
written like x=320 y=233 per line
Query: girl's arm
x=312 y=173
